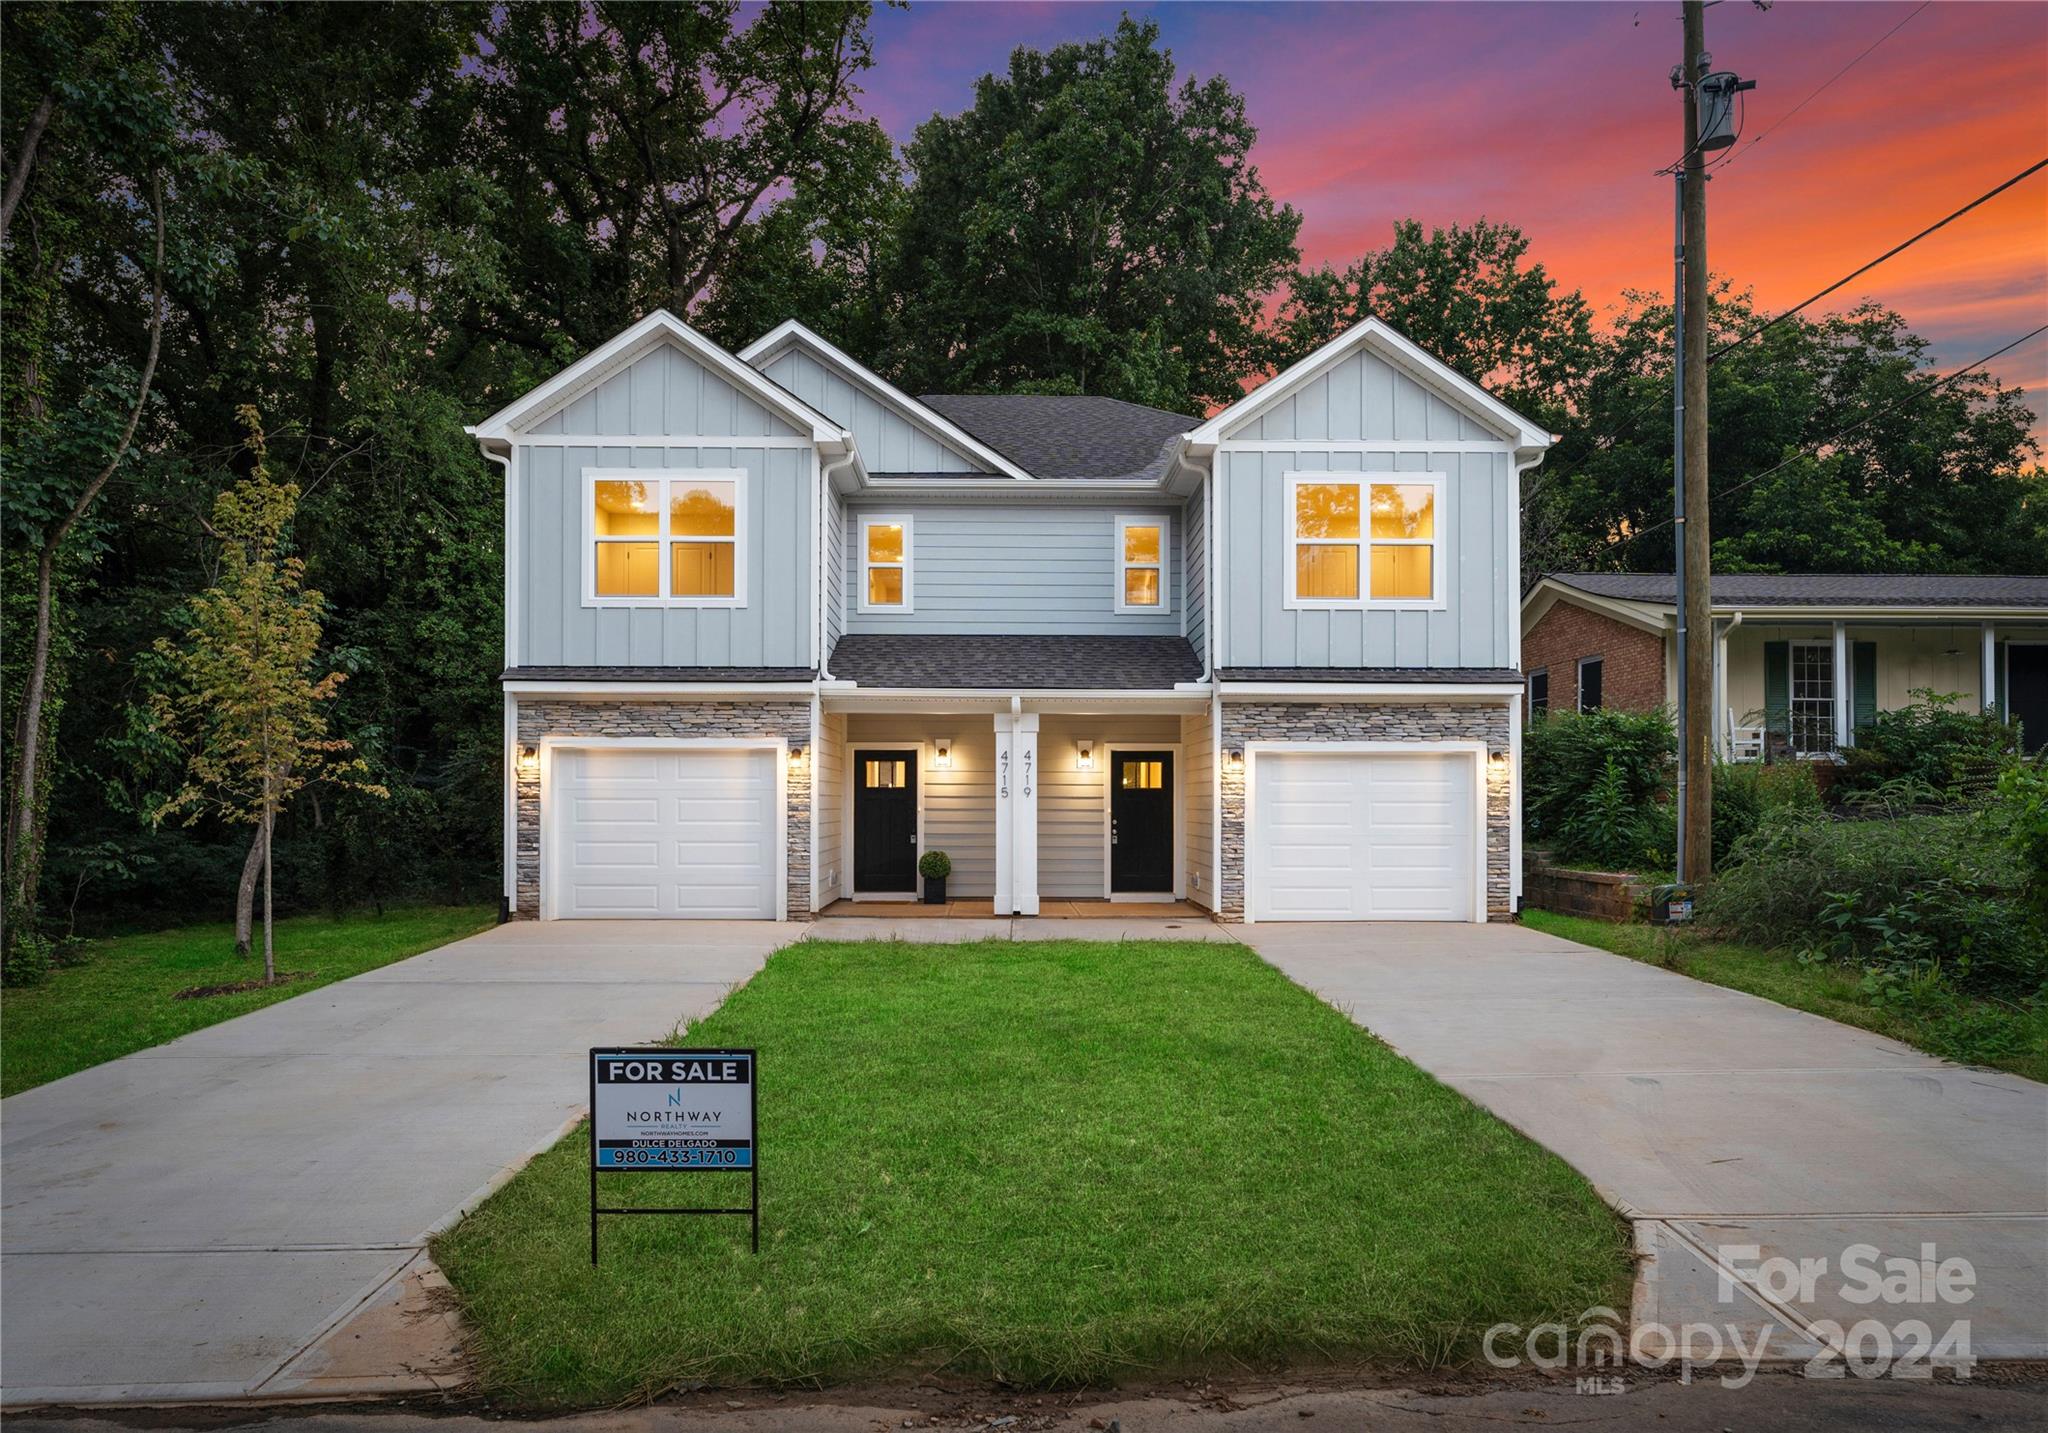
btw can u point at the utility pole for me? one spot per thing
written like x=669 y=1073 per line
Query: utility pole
x=1697 y=654
x=1709 y=99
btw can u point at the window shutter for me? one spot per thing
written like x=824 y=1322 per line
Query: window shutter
x=1863 y=683
x=1778 y=688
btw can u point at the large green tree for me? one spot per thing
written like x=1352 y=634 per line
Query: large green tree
x=1089 y=226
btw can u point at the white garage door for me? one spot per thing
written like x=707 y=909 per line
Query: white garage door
x=1357 y=836
x=645 y=834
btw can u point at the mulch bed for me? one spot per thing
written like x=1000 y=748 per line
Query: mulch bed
x=241 y=987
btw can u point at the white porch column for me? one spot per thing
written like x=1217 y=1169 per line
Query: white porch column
x=1987 y=672
x=1844 y=710
x=1024 y=815
x=1724 y=737
x=1006 y=828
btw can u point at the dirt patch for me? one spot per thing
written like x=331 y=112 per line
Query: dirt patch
x=242 y=987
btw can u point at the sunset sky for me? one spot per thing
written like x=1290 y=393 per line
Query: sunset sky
x=1554 y=117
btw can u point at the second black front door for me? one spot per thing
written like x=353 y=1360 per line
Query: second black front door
x=884 y=821
x=1141 y=821
x=2026 y=680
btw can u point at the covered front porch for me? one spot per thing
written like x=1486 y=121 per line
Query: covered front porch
x=1790 y=689
x=1054 y=805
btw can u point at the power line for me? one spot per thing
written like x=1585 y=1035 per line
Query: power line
x=1829 y=81
x=1897 y=249
x=1840 y=433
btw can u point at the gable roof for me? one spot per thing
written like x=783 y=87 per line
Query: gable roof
x=658 y=328
x=1820 y=589
x=1070 y=436
x=791 y=334
x=1381 y=338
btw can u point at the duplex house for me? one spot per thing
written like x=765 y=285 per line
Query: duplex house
x=1802 y=661
x=774 y=628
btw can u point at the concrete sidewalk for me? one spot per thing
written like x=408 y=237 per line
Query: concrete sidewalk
x=1717 y=1121
x=244 y=1211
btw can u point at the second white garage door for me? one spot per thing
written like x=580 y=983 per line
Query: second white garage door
x=651 y=834
x=1363 y=836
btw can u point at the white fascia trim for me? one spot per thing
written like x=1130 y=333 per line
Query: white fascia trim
x=1004 y=487
x=636 y=342
x=1004 y=694
x=545 y=688
x=1369 y=691
x=767 y=348
x=1433 y=372
x=1932 y=616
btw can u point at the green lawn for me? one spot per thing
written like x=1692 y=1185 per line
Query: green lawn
x=1047 y=1162
x=1820 y=989
x=122 y=998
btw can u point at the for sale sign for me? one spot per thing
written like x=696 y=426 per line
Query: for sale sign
x=672 y=1109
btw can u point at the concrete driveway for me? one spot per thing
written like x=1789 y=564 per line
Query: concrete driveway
x=1720 y=1123
x=244 y=1210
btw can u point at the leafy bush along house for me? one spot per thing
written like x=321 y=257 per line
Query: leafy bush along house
x=774 y=628
x=1801 y=660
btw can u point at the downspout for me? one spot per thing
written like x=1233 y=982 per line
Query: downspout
x=509 y=842
x=825 y=473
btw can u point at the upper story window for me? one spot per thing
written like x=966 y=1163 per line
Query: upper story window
x=885 y=564
x=1141 y=564
x=664 y=537
x=1539 y=691
x=1365 y=540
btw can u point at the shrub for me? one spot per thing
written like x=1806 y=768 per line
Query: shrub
x=935 y=865
x=29 y=956
x=2023 y=799
x=1929 y=893
x=1929 y=744
x=1745 y=792
x=1567 y=755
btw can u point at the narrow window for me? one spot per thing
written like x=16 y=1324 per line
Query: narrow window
x=1589 y=684
x=1141 y=564
x=1539 y=692
x=1813 y=697
x=885 y=564
x=1364 y=540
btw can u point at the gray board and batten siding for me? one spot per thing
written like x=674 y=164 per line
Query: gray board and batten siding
x=1329 y=424
x=888 y=442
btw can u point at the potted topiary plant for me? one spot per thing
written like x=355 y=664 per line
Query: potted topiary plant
x=935 y=866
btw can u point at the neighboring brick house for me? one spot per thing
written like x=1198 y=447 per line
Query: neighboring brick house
x=1801 y=660
x=1578 y=659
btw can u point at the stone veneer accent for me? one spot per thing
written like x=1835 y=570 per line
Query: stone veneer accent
x=1368 y=721
x=560 y=717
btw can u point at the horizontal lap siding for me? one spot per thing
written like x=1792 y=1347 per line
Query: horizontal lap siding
x=889 y=443
x=989 y=568
x=831 y=778
x=1073 y=804
x=1198 y=760
x=1361 y=401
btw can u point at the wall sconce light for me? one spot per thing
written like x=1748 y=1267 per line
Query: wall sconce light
x=529 y=757
x=1085 y=760
x=1233 y=759
x=942 y=749
x=796 y=757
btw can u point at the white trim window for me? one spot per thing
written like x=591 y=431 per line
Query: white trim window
x=1142 y=543
x=885 y=572
x=1810 y=692
x=664 y=537
x=1365 y=539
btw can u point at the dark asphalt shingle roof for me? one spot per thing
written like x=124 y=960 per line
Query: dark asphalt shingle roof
x=1370 y=674
x=657 y=674
x=1071 y=663
x=1822 y=589
x=1065 y=436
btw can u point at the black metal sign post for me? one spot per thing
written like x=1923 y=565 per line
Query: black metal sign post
x=670 y=1111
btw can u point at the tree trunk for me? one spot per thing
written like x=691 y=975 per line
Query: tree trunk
x=245 y=895
x=22 y=850
x=269 y=942
x=25 y=161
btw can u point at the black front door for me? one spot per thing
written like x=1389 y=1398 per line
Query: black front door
x=884 y=821
x=2026 y=691
x=1141 y=821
